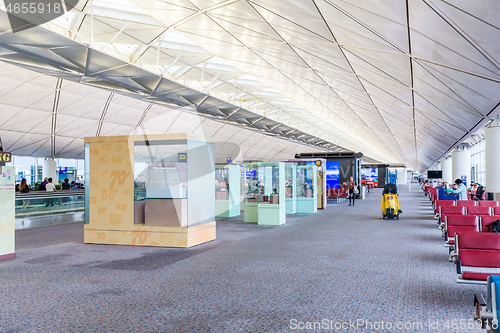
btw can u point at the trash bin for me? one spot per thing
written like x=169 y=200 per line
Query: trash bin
x=362 y=195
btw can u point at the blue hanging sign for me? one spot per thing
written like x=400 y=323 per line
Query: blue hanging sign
x=229 y=160
x=248 y=174
x=464 y=179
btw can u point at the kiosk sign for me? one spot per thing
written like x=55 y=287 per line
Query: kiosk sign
x=5 y=157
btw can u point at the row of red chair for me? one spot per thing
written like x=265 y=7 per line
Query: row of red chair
x=475 y=251
x=336 y=193
x=473 y=210
x=467 y=224
x=449 y=214
x=477 y=256
x=464 y=203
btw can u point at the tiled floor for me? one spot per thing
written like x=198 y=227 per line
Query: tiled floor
x=341 y=264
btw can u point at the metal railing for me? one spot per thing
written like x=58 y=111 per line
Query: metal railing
x=48 y=203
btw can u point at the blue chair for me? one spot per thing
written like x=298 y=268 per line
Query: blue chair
x=488 y=310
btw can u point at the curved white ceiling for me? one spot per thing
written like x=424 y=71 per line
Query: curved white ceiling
x=28 y=125
x=402 y=81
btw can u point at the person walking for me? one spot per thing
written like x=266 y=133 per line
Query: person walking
x=352 y=186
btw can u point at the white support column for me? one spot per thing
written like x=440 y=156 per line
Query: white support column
x=49 y=169
x=461 y=164
x=492 y=152
x=447 y=168
x=402 y=177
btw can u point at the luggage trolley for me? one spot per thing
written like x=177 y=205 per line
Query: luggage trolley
x=390 y=202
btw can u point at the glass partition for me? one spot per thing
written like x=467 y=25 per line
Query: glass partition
x=307 y=189
x=265 y=193
x=160 y=169
x=221 y=183
x=227 y=190
x=305 y=182
x=252 y=184
x=160 y=182
x=269 y=184
x=291 y=188
x=164 y=170
x=39 y=204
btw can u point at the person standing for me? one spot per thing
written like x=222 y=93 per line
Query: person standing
x=50 y=188
x=352 y=185
x=43 y=184
x=79 y=182
x=66 y=185
x=460 y=190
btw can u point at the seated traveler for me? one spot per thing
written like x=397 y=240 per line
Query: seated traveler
x=479 y=192
x=460 y=190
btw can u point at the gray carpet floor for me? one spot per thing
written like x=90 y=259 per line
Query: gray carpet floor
x=337 y=266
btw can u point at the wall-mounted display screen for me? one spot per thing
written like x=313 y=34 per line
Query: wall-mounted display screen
x=435 y=174
x=369 y=176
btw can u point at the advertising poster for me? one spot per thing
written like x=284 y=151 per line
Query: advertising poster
x=7 y=213
x=332 y=174
x=369 y=176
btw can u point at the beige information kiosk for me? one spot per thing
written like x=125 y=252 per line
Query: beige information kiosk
x=150 y=190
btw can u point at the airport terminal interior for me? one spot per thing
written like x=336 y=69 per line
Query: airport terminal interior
x=249 y=166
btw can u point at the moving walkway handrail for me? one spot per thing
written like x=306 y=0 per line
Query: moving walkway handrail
x=44 y=194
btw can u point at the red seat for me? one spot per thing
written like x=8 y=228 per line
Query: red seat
x=488 y=203
x=496 y=210
x=335 y=193
x=486 y=220
x=466 y=203
x=460 y=224
x=472 y=195
x=478 y=254
x=478 y=210
x=440 y=203
x=433 y=193
x=450 y=210
x=332 y=192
